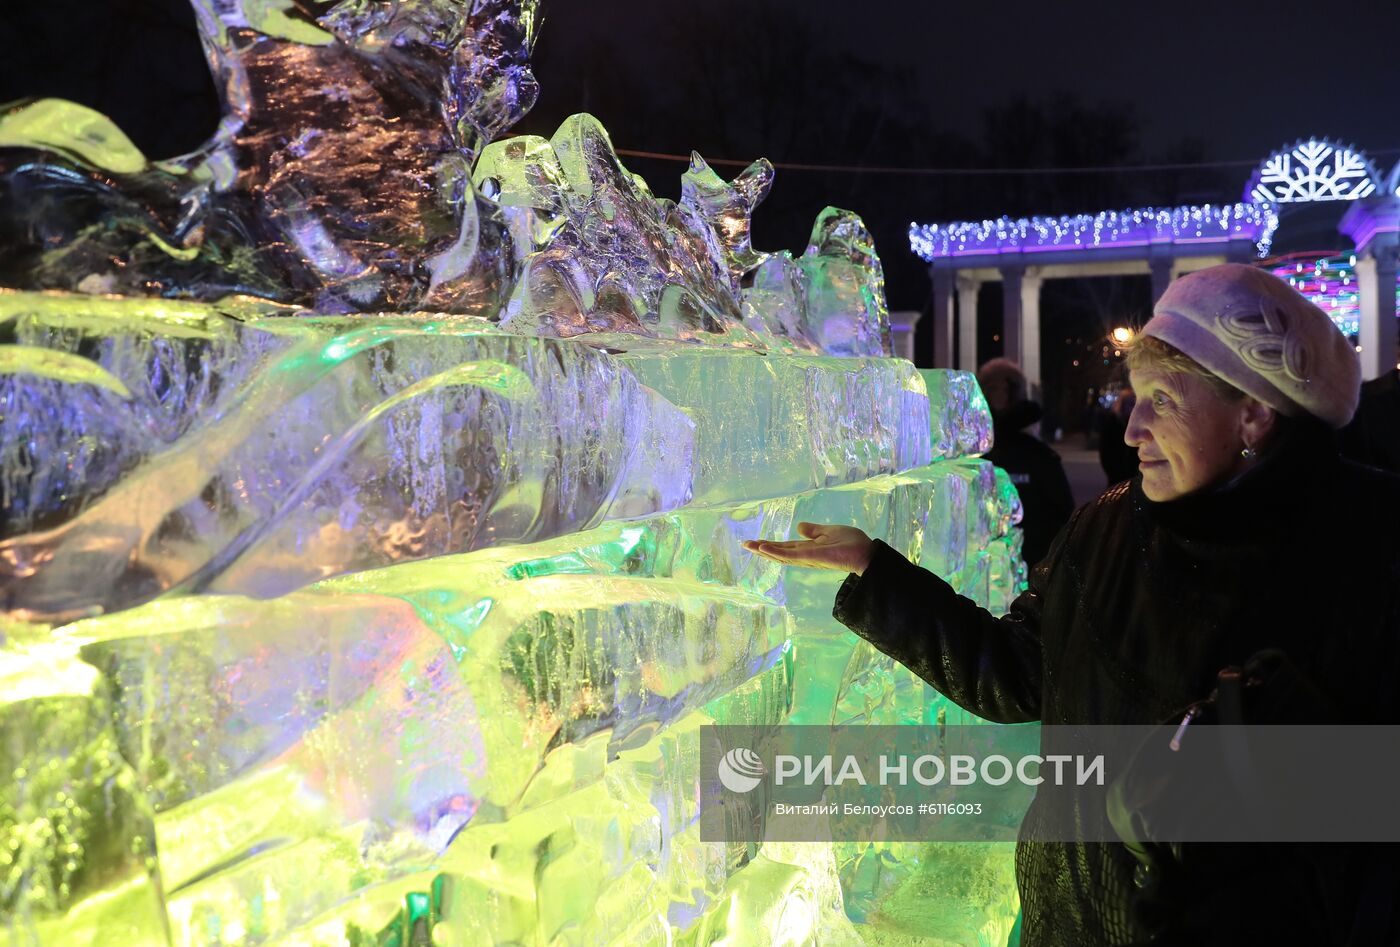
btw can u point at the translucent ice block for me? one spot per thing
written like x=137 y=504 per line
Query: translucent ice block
x=772 y=425
x=393 y=439
x=962 y=422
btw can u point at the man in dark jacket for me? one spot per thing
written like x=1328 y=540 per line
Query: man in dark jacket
x=1119 y=461
x=1373 y=436
x=1033 y=466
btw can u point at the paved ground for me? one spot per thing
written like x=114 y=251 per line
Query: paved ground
x=1086 y=477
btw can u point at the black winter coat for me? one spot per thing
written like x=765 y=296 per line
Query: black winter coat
x=1373 y=436
x=1128 y=620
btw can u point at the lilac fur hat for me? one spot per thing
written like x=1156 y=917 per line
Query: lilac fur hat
x=1256 y=332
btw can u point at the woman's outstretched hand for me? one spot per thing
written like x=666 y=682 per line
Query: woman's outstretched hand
x=843 y=548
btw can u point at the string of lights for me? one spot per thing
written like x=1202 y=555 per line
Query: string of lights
x=1330 y=284
x=1152 y=167
x=953 y=171
x=1256 y=221
x=886 y=169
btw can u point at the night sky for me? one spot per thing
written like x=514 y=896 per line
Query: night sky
x=869 y=83
x=1244 y=75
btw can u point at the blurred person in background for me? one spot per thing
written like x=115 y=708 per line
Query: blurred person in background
x=1033 y=465
x=1118 y=458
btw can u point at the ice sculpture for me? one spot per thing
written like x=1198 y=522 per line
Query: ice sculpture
x=727 y=209
x=374 y=494
x=340 y=176
x=608 y=257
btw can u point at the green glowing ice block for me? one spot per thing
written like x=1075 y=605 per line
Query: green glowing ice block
x=414 y=732
x=77 y=845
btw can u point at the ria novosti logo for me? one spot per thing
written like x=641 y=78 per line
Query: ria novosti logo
x=740 y=770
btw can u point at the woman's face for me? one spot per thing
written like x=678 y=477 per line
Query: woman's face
x=1187 y=436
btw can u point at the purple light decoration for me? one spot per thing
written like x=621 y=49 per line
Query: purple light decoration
x=1255 y=221
x=1330 y=284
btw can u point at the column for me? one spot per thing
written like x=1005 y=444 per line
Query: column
x=1011 y=302
x=1162 y=273
x=1373 y=224
x=942 y=317
x=902 y=323
x=967 y=323
x=1375 y=283
x=1030 y=332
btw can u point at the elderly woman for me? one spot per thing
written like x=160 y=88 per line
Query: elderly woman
x=1243 y=532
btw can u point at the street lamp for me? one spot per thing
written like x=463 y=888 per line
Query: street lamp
x=1121 y=335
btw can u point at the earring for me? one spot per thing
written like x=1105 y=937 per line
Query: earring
x=1249 y=453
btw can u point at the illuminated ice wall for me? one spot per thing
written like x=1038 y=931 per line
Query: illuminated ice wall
x=373 y=504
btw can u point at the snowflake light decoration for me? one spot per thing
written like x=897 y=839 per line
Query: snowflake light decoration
x=1313 y=170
